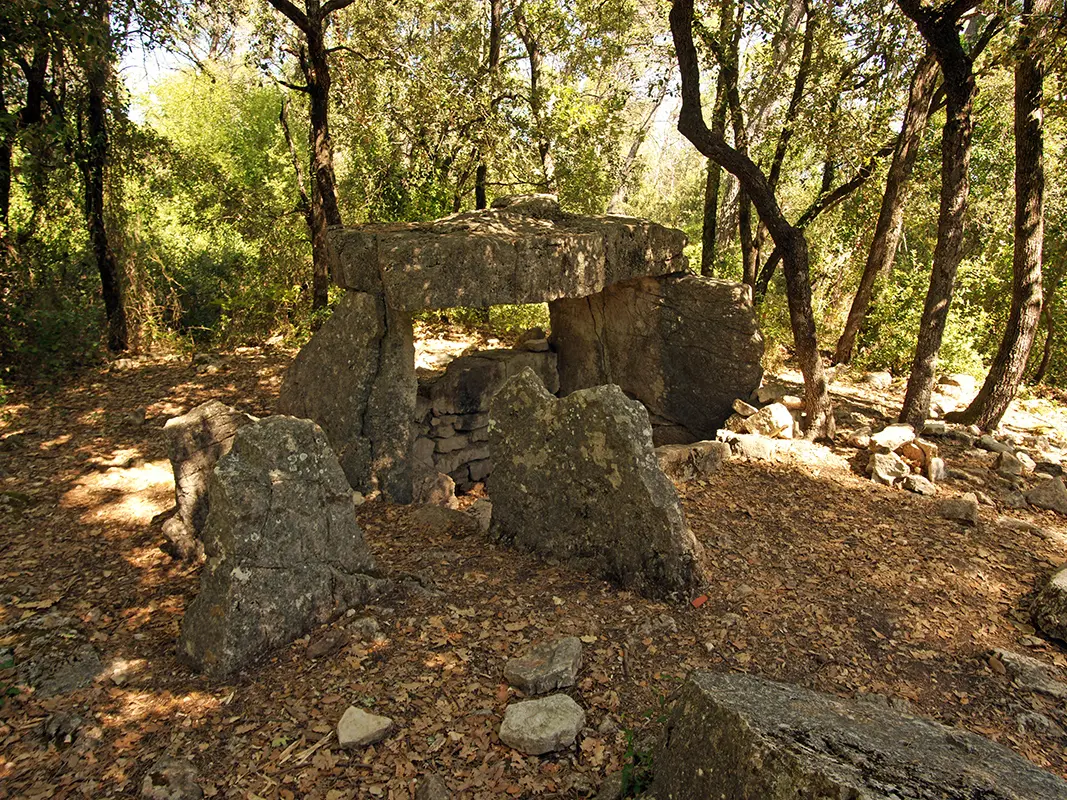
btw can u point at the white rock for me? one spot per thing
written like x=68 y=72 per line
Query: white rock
x=357 y=728
x=743 y=408
x=891 y=437
x=542 y=726
x=919 y=485
x=886 y=468
x=879 y=380
x=773 y=421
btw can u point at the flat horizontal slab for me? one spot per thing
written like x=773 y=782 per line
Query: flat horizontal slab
x=524 y=253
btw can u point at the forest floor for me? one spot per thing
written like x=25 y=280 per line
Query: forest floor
x=818 y=577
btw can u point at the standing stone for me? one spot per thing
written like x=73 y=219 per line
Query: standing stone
x=356 y=379
x=542 y=726
x=546 y=667
x=739 y=736
x=284 y=550
x=684 y=345
x=357 y=728
x=195 y=443
x=1050 y=606
x=576 y=479
x=1049 y=494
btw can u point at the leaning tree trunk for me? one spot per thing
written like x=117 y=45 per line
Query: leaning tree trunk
x=1046 y=351
x=481 y=174
x=691 y=124
x=1009 y=364
x=939 y=30
x=890 y=225
x=95 y=165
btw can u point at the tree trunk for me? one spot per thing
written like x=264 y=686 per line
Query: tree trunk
x=95 y=164
x=890 y=225
x=820 y=420
x=709 y=233
x=1046 y=352
x=939 y=30
x=7 y=146
x=536 y=57
x=481 y=174
x=1009 y=364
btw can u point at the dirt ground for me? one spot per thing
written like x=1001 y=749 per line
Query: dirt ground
x=818 y=577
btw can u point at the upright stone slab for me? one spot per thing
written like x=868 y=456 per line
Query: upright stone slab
x=195 y=443
x=685 y=346
x=739 y=736
x=356 y=378
x=576 y=479
x=284 y=550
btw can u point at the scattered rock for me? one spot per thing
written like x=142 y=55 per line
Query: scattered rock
x=1049 y=494
x=743 y=408
x=284 y=550
x=886 y=468
x=577 y=479
x=432 y=787
x=739 y=736
x=330 y=642
x=936 y=470
x=920 y=485
x=358 y=728
x=611 y=788
x=935 y=427
x=987 y=442
x=171 y=779
x=962 y=509
x=1008 y=465
x=546 y=667
x=364 y=629
x=534 y=345
x=62 y=727
x=1030 y=674
x=1022 y=526
x=1050 y=606
x=542 y=726
x=860 y=439
x=892 y=437
x=195 y=443
x=768 y=393
x=436 y=489
x=481 y=510
x=1028 y=463
x=688 y=462
x=878 y=380
x=78 y=673
x=1032 y=722
x=773 y=421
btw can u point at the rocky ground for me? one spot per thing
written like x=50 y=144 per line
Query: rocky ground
x=818 y=577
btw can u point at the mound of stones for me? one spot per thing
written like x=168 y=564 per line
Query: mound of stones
x=550 y=723
x=740 y=736
x=576 y=479
x=284 y=550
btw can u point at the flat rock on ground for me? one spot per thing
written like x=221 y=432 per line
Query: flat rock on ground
x=359 y=728
x=739 y=736
x=542 y=726
x=546 y=666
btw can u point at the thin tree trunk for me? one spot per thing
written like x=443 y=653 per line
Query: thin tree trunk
x=890 y=225
x=1009 y=364
x=938 y=27
x=1046 y=352
x=7 y=146
x=709 y=233
x=95 y=165
x=619 y=196
x=819 y=421
x=481 y=173
x=536 y=56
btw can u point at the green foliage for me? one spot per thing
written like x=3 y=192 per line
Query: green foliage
x=637 y=771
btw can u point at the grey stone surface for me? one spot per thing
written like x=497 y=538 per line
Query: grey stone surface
x=542 y=726
x=688 y=462
x=773 y=421
x=576 y=479
x=1049 y=494
x=1031 y=675
x=546 y=667
x=685 y=346
x=987 y=442
x=78 y=673
x=432 y=787
x=749 y=446
x=470 y=382
x=886 y=468
x=961 y=509
x=920 y=485
x=891 y=437
x=528 y=252
x=284 y=550
x=738 y=736
x=195 y=443
x=359 y=728
x=481 y=511
x=1050 y=606
x=356 y=379
x=171 y=779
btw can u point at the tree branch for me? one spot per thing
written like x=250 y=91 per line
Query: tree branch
x=295 y=15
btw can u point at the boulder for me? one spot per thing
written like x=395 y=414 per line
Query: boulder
x=684 y=345
x=688 y=462
x=469 y=382
x=1050 y=606
x=886 y=468
x=1028 y=673
x=434 y=488
x=542 y=726
x=525 y=252
x=356 y=379
x=742 y=408
x=195 y=443
x=284 y=550
x=892 y=437
x=961 y=509
x=1008 y=466
x=920 y=485
x=358 y=728
x=879 y=380
x=739 y=736
x=1049 y=494
x=749 y=447
x=546 y=667
x=576 y=479
x=773 y=421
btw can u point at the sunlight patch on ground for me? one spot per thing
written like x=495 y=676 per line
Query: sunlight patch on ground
x=132 y=495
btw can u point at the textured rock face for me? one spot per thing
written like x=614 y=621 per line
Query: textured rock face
x=738 y=736
x=284 y=550
x=1049 y=494
x=1050 y=606
x=577 y=479
x=526 y=252
x=356 y=378
x=690 y=462
x=685 y=346
x=546 y=667
x=542 y=726
x=195 y=443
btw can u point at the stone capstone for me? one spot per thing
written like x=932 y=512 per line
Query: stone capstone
x=1049 y=494
x=527 y=252
x=195 y=443
x=739 y=736
x=1050 y=606
x=689 y=462
x=576 y=479
x=546 y=667
x=284 y=550
x=542 y=726
x=684 y=345
x=358 y=728
x=356 y=379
